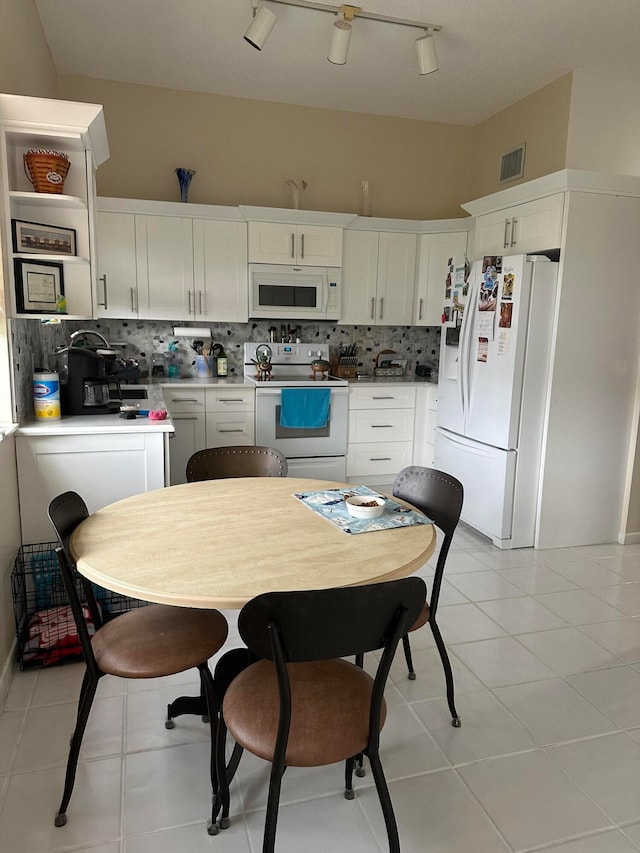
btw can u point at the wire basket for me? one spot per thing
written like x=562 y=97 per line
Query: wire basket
x=47 y=170
x=40 y=607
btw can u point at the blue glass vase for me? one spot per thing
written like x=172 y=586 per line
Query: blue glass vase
x=184 y=177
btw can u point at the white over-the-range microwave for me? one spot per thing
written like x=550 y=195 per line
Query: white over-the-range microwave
x=299 y=293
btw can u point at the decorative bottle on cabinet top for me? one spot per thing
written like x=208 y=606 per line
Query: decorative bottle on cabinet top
x=184 y=177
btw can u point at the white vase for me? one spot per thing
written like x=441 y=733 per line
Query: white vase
x=296 y=188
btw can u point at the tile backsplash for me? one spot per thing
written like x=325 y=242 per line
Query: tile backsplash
x=32 y=341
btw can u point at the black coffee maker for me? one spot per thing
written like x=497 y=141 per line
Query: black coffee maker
x=89 y=389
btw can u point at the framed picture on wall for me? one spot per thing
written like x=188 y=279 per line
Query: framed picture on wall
x=39 y=286
x=34 y=237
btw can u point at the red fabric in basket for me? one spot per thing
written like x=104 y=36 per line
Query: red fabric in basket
x=53 y=635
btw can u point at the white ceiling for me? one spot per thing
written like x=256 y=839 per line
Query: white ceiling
x=491 y=52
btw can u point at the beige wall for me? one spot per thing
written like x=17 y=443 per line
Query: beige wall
x=244 y=150
x=604 y=125
x=540 y=120
x=26 y=67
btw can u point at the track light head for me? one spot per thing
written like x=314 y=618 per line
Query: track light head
x=426 y=49
x=340 y=38
x=260 y=28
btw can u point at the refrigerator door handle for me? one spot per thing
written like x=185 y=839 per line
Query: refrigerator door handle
x=465 y=348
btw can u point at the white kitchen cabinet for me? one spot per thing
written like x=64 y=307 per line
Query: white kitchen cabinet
x=78 y=131
x=117 y=281
x=434 y=251
x=303 y=245
x=530 y=227
x=102 y=468
x=425 y=424
x=380 y=435
x=230 y=415
x=187 y=409
x=220 y=271
x=378 y=278
x=164 y=265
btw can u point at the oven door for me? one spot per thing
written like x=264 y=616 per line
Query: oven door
x=330 y=440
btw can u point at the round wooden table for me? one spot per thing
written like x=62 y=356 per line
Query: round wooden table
x=219 y=543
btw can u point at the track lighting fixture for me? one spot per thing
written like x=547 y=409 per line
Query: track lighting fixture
x=264 y=21
x=260 y=28
x=341 y=36
x=426 y=48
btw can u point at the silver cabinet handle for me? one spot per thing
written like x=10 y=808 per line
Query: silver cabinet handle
x=133 y=299
x=513 y=231
x=420 y=309
x=103 y=278
x=373 y=303
x=293 y=245
x=230 y=430
x=200 y=311
x=507 y=222
x=230 y=400
x=379 y=459
x=302 y=245
x=381 y=306
x=184 y=400
x=384 y=398
x=381 y=426
x=189 y=302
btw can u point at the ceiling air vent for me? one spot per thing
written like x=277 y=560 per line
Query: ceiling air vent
x=512 y=164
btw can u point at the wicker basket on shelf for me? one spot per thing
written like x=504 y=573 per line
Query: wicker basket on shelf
x=47 y=170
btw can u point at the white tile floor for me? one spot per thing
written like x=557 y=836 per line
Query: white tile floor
x=545 y=648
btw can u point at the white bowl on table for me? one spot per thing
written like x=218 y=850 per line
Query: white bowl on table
x=357 y=506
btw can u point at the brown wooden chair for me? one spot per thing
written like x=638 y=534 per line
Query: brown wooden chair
x=217 y=463
x=440 y=497
x=146 y=642
x=301 y=704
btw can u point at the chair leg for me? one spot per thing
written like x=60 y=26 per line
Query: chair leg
x=448 y=674
x=348 y=777
x=385 y=803
x=271 y=819
x=87 y=693
x=406 y=645
x=206 y=681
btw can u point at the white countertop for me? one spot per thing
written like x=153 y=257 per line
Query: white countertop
x=395 y=380
x=105 y=424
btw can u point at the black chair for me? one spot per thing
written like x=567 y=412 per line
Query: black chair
x=300 y=703
x=146 y=642
x=440 y=497
x=217 y=463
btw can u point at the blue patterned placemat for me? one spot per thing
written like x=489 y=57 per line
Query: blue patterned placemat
x=330 y=505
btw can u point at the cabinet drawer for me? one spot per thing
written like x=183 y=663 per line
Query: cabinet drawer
x=187 y=400
x=382 y=397
x=378 y=459
x=226 y=428
x=371 y=425
x=237 y=399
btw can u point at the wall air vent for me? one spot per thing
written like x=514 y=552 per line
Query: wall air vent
x=512 y=164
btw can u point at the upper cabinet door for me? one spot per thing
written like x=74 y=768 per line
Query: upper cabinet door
x=530 y=227
x=165 y=267
x=220 y=270
x=319 y=246
x=435 y=251
x=117 y=286
x=303 y=245
x=359 y=277
x=396 y=278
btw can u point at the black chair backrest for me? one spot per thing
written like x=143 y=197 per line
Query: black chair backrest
x=440 y=497
x=66 y=512
x=217 y=463
x=330 y=623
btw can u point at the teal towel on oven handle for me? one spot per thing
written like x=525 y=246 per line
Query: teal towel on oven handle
x=304 y=408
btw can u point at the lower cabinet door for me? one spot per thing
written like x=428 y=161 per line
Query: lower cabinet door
x=384 y=458
x=188 y=437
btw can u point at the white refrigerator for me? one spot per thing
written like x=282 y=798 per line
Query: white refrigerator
x=492 y=390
